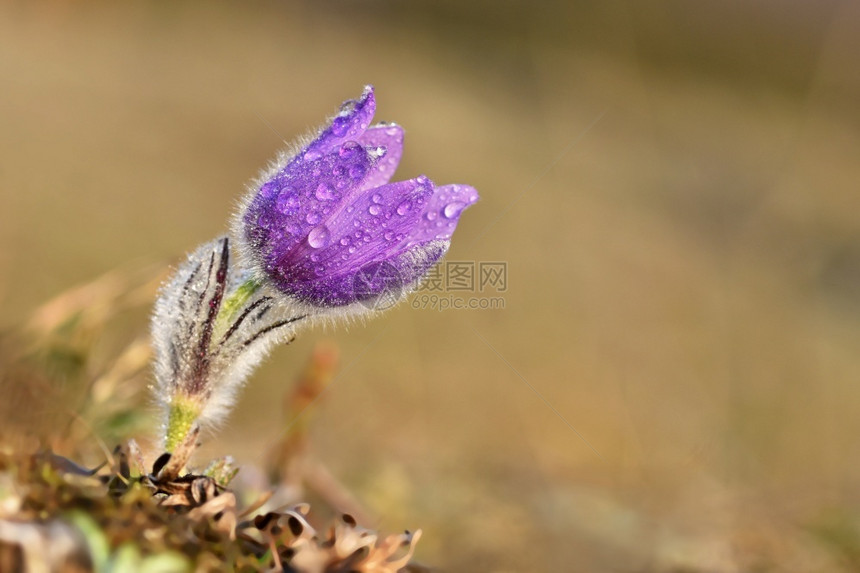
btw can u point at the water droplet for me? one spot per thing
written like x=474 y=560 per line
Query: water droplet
x=351 y=250
x=325 y=192
x=391 y=131
x=349 y=149
x=287 y=202
x=264 y=219
x=339 y=126
x=313 y=218
x=315 y=257
x=344 y=241
x=356 y=223
x=319 y=237
x=452 y=210
x=377 y=198
x=404 y=207
x=430 y=215
x=350 y=208
x=320 y=269
x=366 y=238
x=357 y=171
x=358 y=234
x=389 y=235
x=374 y=210
x=312 y=155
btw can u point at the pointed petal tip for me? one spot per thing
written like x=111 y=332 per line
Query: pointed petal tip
x=459 y=193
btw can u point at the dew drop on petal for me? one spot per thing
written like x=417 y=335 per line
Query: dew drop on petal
x=344 y=241
x=374 y=210
x=339 y=126
x=287 y=202
x=312 y=155
x=349 y=149
x=356 y=223
x=404 y=207
x=452 y=210
x=319 y=237
x=430 y=215
x=325 y=192
x=376 y=198
x=313 y=218
x=357 y=171
x=389 y=235
x=264 y=219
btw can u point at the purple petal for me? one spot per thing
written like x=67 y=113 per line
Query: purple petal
x=329 y=228
x=373 y=226
x=349 y=124
x=387 y=136
x=297 y=200
x=442 y=212
x=389 y=276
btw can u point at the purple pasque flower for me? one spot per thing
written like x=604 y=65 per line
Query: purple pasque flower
x=328 y=228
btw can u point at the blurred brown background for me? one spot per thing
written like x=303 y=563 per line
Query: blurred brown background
x=673 y=186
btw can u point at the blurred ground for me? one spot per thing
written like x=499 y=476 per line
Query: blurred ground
x=674 y=190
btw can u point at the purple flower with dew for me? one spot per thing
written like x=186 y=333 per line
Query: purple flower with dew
x=323 y=226
x=328 y=228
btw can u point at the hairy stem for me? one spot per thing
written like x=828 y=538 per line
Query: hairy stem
x=180 y=419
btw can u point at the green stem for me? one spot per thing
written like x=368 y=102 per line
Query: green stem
x=180 y=419
x=184 y=409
